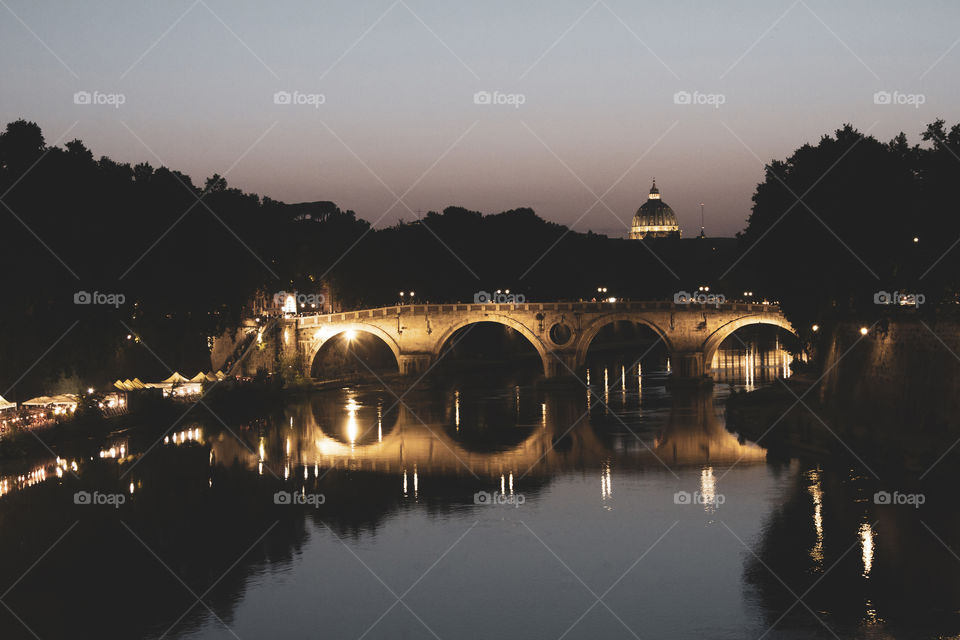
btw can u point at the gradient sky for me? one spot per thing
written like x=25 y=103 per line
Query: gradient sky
x=398 y=79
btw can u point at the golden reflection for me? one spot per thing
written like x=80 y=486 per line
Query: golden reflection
x=752 y=366
x=13 y=483
x=353 y=429
x=708 y=489
x=416 y=482
x=190 y=435
x=606 y=486
x=589 y=390
x=456 y=409
x=693 y=434
x=866 y=545
x=404 y=483
x=606 y=390
x=623 y=385
x=817 y=493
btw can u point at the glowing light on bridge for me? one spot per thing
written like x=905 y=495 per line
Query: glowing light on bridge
x=350 y=335
x=863 y=331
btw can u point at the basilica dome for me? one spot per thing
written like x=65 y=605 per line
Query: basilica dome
x=654 y=219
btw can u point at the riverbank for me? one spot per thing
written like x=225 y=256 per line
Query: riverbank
x=887 y=398
x=149 y=415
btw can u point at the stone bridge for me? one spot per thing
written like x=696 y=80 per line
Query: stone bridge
x=561 y=332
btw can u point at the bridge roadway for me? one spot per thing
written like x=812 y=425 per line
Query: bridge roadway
x=561 y=332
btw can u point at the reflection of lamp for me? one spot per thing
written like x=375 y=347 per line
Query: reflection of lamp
x=352 y=429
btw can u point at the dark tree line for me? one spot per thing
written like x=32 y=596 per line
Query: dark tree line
x=187 y=258
x=839 y=221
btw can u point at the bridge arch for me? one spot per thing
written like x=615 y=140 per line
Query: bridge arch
x=721 y=333
x=594 y=328
x=516 y=325
x=324 y=334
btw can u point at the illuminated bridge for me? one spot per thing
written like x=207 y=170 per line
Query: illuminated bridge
x=561 y=332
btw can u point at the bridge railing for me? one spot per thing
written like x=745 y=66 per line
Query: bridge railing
x=572 y=307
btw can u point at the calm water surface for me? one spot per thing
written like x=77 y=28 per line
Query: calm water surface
x=475 y=507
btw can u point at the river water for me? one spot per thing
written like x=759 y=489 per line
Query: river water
x=476 y=506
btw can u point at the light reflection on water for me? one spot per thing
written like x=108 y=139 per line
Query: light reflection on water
x=400 y=481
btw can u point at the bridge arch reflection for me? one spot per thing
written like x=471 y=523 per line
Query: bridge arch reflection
x=488 y=445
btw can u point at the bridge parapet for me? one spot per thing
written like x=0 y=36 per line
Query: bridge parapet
x=583 y=307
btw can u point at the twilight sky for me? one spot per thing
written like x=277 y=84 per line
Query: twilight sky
x=398 y=119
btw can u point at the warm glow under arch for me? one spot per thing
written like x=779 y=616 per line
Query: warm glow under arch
x=713 y=341
x=323 y=335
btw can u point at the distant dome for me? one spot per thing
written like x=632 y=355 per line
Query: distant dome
x=654 y=219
